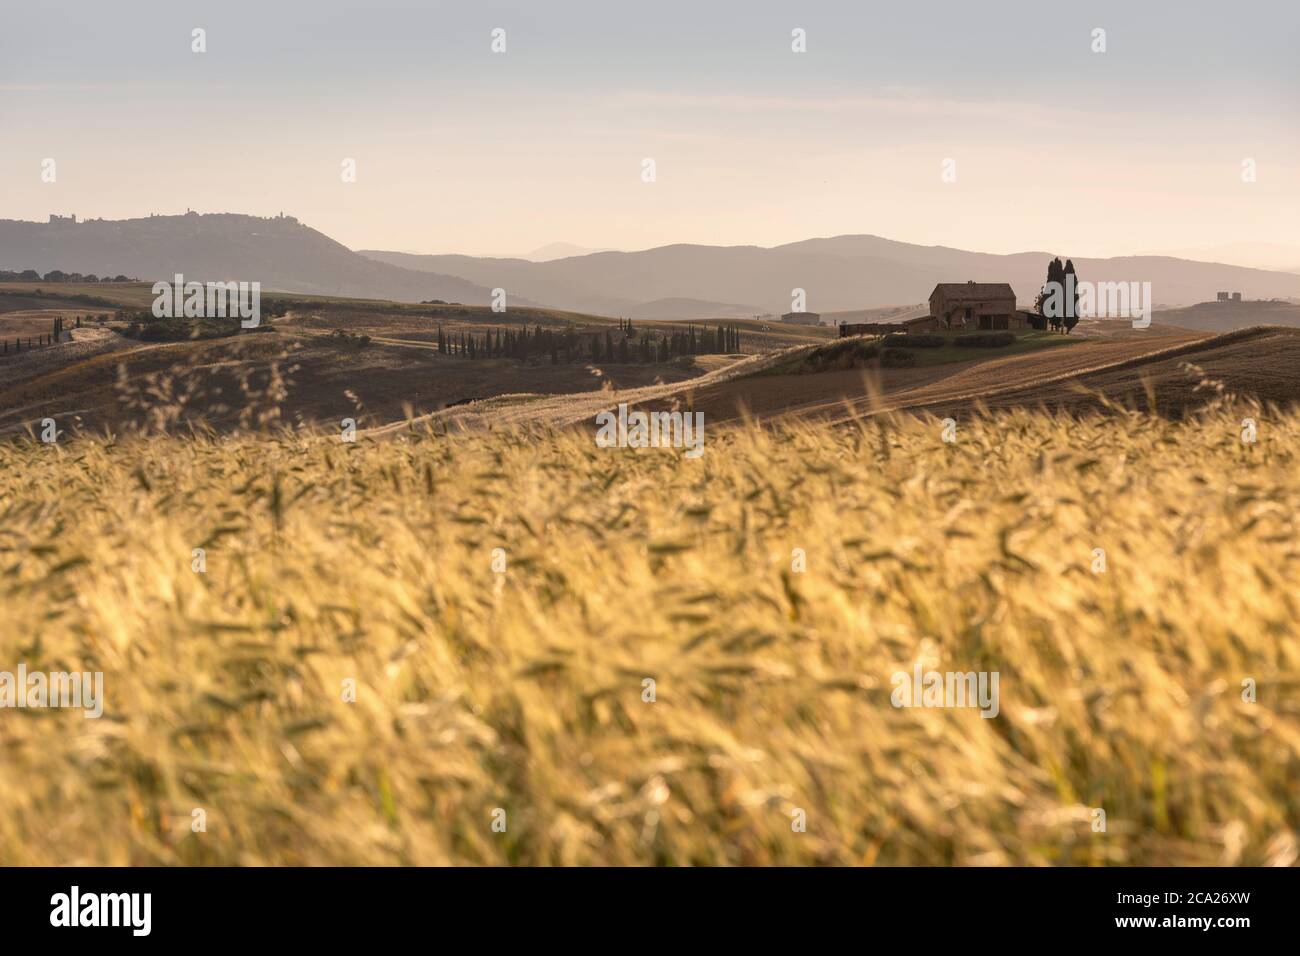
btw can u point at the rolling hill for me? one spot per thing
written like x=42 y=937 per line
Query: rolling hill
x=281 y=253
x=844 y=273
x=839 y=274
x=1229 y=316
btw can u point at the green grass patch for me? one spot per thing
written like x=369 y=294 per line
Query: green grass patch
x=916 y=350
x=969 y=346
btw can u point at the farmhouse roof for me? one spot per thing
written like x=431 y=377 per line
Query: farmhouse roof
x=957 y=291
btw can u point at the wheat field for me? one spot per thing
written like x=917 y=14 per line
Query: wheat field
x=360 y=676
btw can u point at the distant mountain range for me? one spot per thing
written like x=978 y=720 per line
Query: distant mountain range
x=844 y=273
x=559 y=250
x=281 y=253
x=1257 y=255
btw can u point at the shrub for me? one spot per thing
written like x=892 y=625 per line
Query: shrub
x=844 y=354
x=923 y=340
x=897 y=358
x=986 y=340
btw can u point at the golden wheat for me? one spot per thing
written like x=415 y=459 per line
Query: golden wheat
x=523 y=691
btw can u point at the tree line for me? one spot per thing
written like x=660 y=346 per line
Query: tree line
x=628 y=345
x=39 y=341
x=57 y=275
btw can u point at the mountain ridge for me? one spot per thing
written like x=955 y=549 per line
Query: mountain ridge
x=679 y=281
x=837 y=273
x=280 y=252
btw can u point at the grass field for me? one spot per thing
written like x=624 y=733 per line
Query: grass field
x=953 y=351
x=516 y=694
x=86 y=296
x=935 y=349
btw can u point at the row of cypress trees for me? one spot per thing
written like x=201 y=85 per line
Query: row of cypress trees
x=571 y=345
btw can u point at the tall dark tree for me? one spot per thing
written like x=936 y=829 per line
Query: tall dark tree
x=1071 y=318
x=1052 y=298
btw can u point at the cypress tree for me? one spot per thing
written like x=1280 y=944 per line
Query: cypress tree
x=1072 y=296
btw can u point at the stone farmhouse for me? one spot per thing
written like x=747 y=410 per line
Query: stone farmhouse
x=976 y=306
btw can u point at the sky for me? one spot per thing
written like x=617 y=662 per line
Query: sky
x=1048 y=144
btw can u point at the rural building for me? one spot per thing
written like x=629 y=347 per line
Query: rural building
x=802 y=318
x=1229 y=297
x=976 y=305
x=923 y=323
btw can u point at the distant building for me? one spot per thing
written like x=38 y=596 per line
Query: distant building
x=1223 y=296
x=1228 y=297
x=1236 y=297
x=61 y=220
x=975 y=305
x=802 y=318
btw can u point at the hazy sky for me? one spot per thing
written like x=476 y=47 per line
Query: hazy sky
x=459 y=149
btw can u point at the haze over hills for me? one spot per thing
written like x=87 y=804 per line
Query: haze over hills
x=1229 y=316
x=1259 y=255
x=670 y=309
x=560 y=250
x=683 y=281
x=838 y=274
x=281 y=253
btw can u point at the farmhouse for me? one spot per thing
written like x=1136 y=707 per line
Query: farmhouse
x=802 y=318
x=975 y=305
